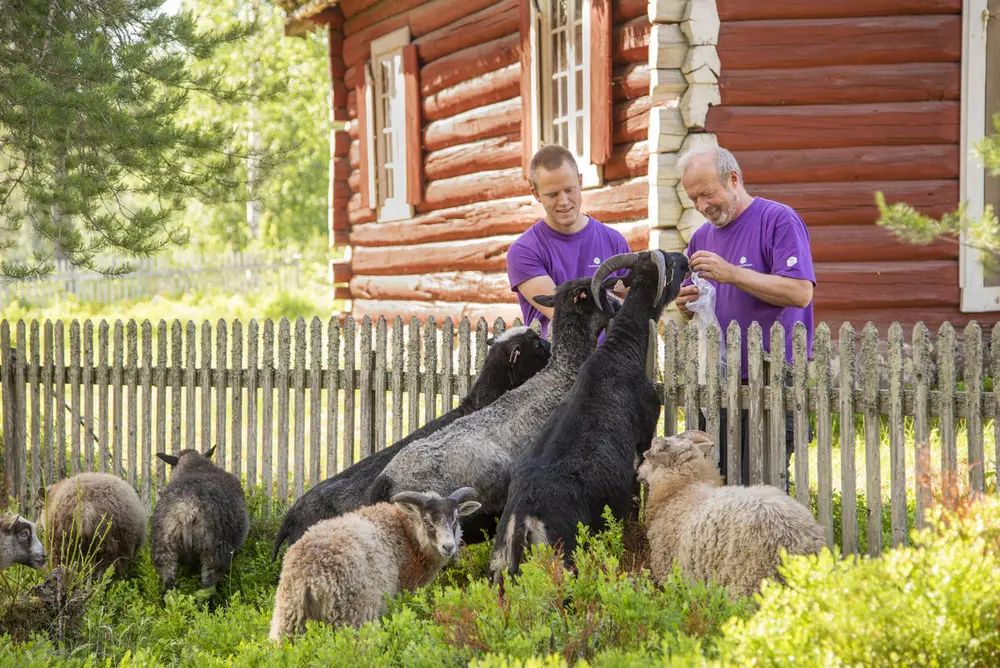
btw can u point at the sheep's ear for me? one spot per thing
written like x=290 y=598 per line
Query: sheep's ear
x=490 y=341
x=657 y=458
x=410 y=507
x=547 y=301
x=210 y=452
x=170 y=459
x=580 y=296
x=468 y=508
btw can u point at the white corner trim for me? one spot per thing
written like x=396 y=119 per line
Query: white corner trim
x=369 y=111
x=395 y=209
x=397 y=39
x=975 y=297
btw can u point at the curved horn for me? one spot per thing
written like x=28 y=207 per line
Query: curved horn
x=462 y=494
x=661 y=274
x=410 y=497
x=613 y=263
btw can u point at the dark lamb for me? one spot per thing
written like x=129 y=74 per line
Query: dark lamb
x=513 y=357
x=585 y=456
x=200 y=518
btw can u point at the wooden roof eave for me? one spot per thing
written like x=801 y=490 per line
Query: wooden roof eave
x=302 y=16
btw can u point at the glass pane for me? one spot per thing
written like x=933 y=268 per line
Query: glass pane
x=553 y=13
x=390 y=186
x=579 y=90
x=390 y=154
x=563 y=100
x=579 y=135
x=554 y=101
x=562 y=12
x=577 y=59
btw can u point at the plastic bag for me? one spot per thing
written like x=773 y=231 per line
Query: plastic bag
x=703 y=309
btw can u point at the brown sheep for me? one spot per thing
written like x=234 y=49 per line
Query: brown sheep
x=100 y=510
x=730 y=535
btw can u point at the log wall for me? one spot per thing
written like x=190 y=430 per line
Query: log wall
x=823 y=103
x=449 y=259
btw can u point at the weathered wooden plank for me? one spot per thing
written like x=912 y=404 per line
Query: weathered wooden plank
x=630 y=81
x=332 y=395
x=945 y=348
x=600 y=74
x=176 y=389
x=366 y=394
x=221 y=409
x=775 y=474
x=132 y=396
x=834 y=125
x=482 y=349
x=429 y=377
x=490 y=120
x=267 y=409
x=59 y=395
x=737 y=10
x=36 y=411
x=468 y=63
x=631 y=120
x=315 y=400
x=623 y=11
x=734 y=426
x=897 y=446
x=755 y=375
x=485 y=89
x=713 y=414
x=973 y=376
x=10 y=405
x=20 y=451
x=995 y=369
x=800 y=412
x=423 y=310
x=627 y=161
x=205 y=383
x=397 y=379
x=75 y=368
x=379 y=389
x=848 y=480
x=236 y=422
x=871 y=243
x=450 y=286
x=853 y=163
x=413 y=376
x=146 y=397
x=750 y=45
x=689 y=345
x=873 y=286
x=347 y=447
x=873 y=467
x=921 y=422
x=89 y=380
x=283 y=375
x=840 y=84
x=630 y=41
x=190 y=380
x=103 y=373
x=299 y=389
x=495 y=153
x=117 y=381
x=49 y=406
x=824 y=432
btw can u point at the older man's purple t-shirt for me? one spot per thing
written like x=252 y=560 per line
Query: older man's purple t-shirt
x=542 y=251
x=770 y=238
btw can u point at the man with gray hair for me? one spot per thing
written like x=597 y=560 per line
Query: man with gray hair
x=756 y=254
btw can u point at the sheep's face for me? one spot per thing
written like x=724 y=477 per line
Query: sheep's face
x=436 y=520
x=574 y=305
x=23 y=544
x=687 y=455
x=521 y=351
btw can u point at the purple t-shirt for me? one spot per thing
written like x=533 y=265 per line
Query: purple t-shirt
x=542 y=251
x=770 y=238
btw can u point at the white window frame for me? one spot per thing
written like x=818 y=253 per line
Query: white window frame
x=390 y=205
x=541 y=76
x=975 y=296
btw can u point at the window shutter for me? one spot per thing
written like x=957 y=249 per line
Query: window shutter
x=414 y=139
x=600 y=81
x=526 y=92
x=364 y=93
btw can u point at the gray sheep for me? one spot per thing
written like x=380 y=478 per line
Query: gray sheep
x=345 y=570
x=478 y=450
x=95 y=514
x=728 y=535
x=200 y=517
x=19 y=543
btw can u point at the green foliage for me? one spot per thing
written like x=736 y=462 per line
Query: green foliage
x=983 y=233
x=93 y=152
x=931 y=604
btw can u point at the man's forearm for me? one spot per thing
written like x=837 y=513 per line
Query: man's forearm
x=776 y=290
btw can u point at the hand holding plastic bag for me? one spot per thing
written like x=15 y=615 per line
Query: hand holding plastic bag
x=703 y=309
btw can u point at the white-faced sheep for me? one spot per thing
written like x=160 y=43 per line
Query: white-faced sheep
x=730 y=535
x=478 y=450
x=200 y=517
x=92 y=515
x=344 y=570
x=19 y=543
x=513 y=358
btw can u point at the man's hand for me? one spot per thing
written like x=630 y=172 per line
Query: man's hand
x=688 y=294
x=711 y=266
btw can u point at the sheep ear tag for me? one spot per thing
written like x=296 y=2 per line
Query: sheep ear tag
x=582 y=294
x=514 y=354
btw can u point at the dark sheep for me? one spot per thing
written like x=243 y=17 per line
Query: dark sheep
x=585 y=456
x=513 y=357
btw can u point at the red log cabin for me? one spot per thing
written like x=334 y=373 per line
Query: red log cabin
x=823 y=102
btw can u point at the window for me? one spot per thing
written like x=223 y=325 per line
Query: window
x=387 y=138
x=980 y=102
x=566 y=55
